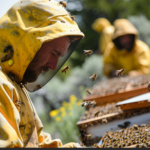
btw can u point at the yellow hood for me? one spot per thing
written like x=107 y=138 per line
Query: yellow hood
x=27 y=25
x=99 y=24
x=123 y=27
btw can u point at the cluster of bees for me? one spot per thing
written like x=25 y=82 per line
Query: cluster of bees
x=137 y=135
x=115 y=85
x=100 y=111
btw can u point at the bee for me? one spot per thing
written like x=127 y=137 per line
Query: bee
x=129 y=143
x=88 y=52
x=88 y=91
x=72 y=17
x=119 y=146
x=135 y=127
x=96 y=145
x=18 y=103
x=65 y=69
x=88 y=136
x=86 y=104
x=9 y=50
x=38 y=86
x=97 y=113
x=82 y=104
x=149 y=85
x=93 y=103
x=94 y=76
x=120 y=72
x=64 y=4
x=104 y=120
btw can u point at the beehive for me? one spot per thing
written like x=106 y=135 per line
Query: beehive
x=118 y=89
x=116 y=120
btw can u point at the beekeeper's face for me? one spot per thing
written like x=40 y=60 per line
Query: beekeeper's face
x=46 y=58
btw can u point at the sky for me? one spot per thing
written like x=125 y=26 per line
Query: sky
x=5 y=5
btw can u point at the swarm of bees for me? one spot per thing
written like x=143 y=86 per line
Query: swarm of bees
x=88 y=91
x=65 y=69
x=88 y=52
x=64 y=4
x=94 y=76
x=120 y=72
x=135 y=135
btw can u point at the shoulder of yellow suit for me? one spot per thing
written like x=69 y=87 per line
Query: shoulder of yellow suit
x=27 y=25
x=100 y=23
x=142 y=45
x=122 y=27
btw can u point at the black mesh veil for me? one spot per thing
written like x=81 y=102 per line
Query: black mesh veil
x=45 y=77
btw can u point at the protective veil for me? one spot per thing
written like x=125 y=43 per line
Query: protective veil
x=24 y=28
x=136 y=61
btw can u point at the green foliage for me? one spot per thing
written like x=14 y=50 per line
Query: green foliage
x=65 y=119
x=144 y=32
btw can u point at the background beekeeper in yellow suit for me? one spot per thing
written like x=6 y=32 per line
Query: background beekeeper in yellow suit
x=34 y=35
x=106 y=30
x=126 y=51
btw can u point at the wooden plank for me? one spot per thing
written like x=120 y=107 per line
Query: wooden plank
x=132 y=146
x=120 y=96
x=135 y=105
x=96 y=118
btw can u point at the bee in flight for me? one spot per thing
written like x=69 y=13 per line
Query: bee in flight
x=88 y=91
x=38 y=86
x=65 y=69
x=88 y=52
x=64 y=4
x=94 y=76
x=120 y=72
x=97 y=113
x=73 y=18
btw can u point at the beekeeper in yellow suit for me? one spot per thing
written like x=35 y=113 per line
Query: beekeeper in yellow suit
x=106 y=30
x=126 y=51
x=36 y=38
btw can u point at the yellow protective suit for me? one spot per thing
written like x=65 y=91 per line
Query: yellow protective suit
x=25 y=27
x=103 y=26
x=135 y=62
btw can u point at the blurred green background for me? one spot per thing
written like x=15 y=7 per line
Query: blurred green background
x=58 y=103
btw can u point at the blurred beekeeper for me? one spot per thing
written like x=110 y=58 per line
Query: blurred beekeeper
x=126 y=51
x=106 y=30
x=36 y=38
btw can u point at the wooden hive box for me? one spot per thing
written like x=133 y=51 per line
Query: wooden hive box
x=118 y=89
x=116 y=120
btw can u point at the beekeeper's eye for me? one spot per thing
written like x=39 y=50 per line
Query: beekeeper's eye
x=56 y=52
